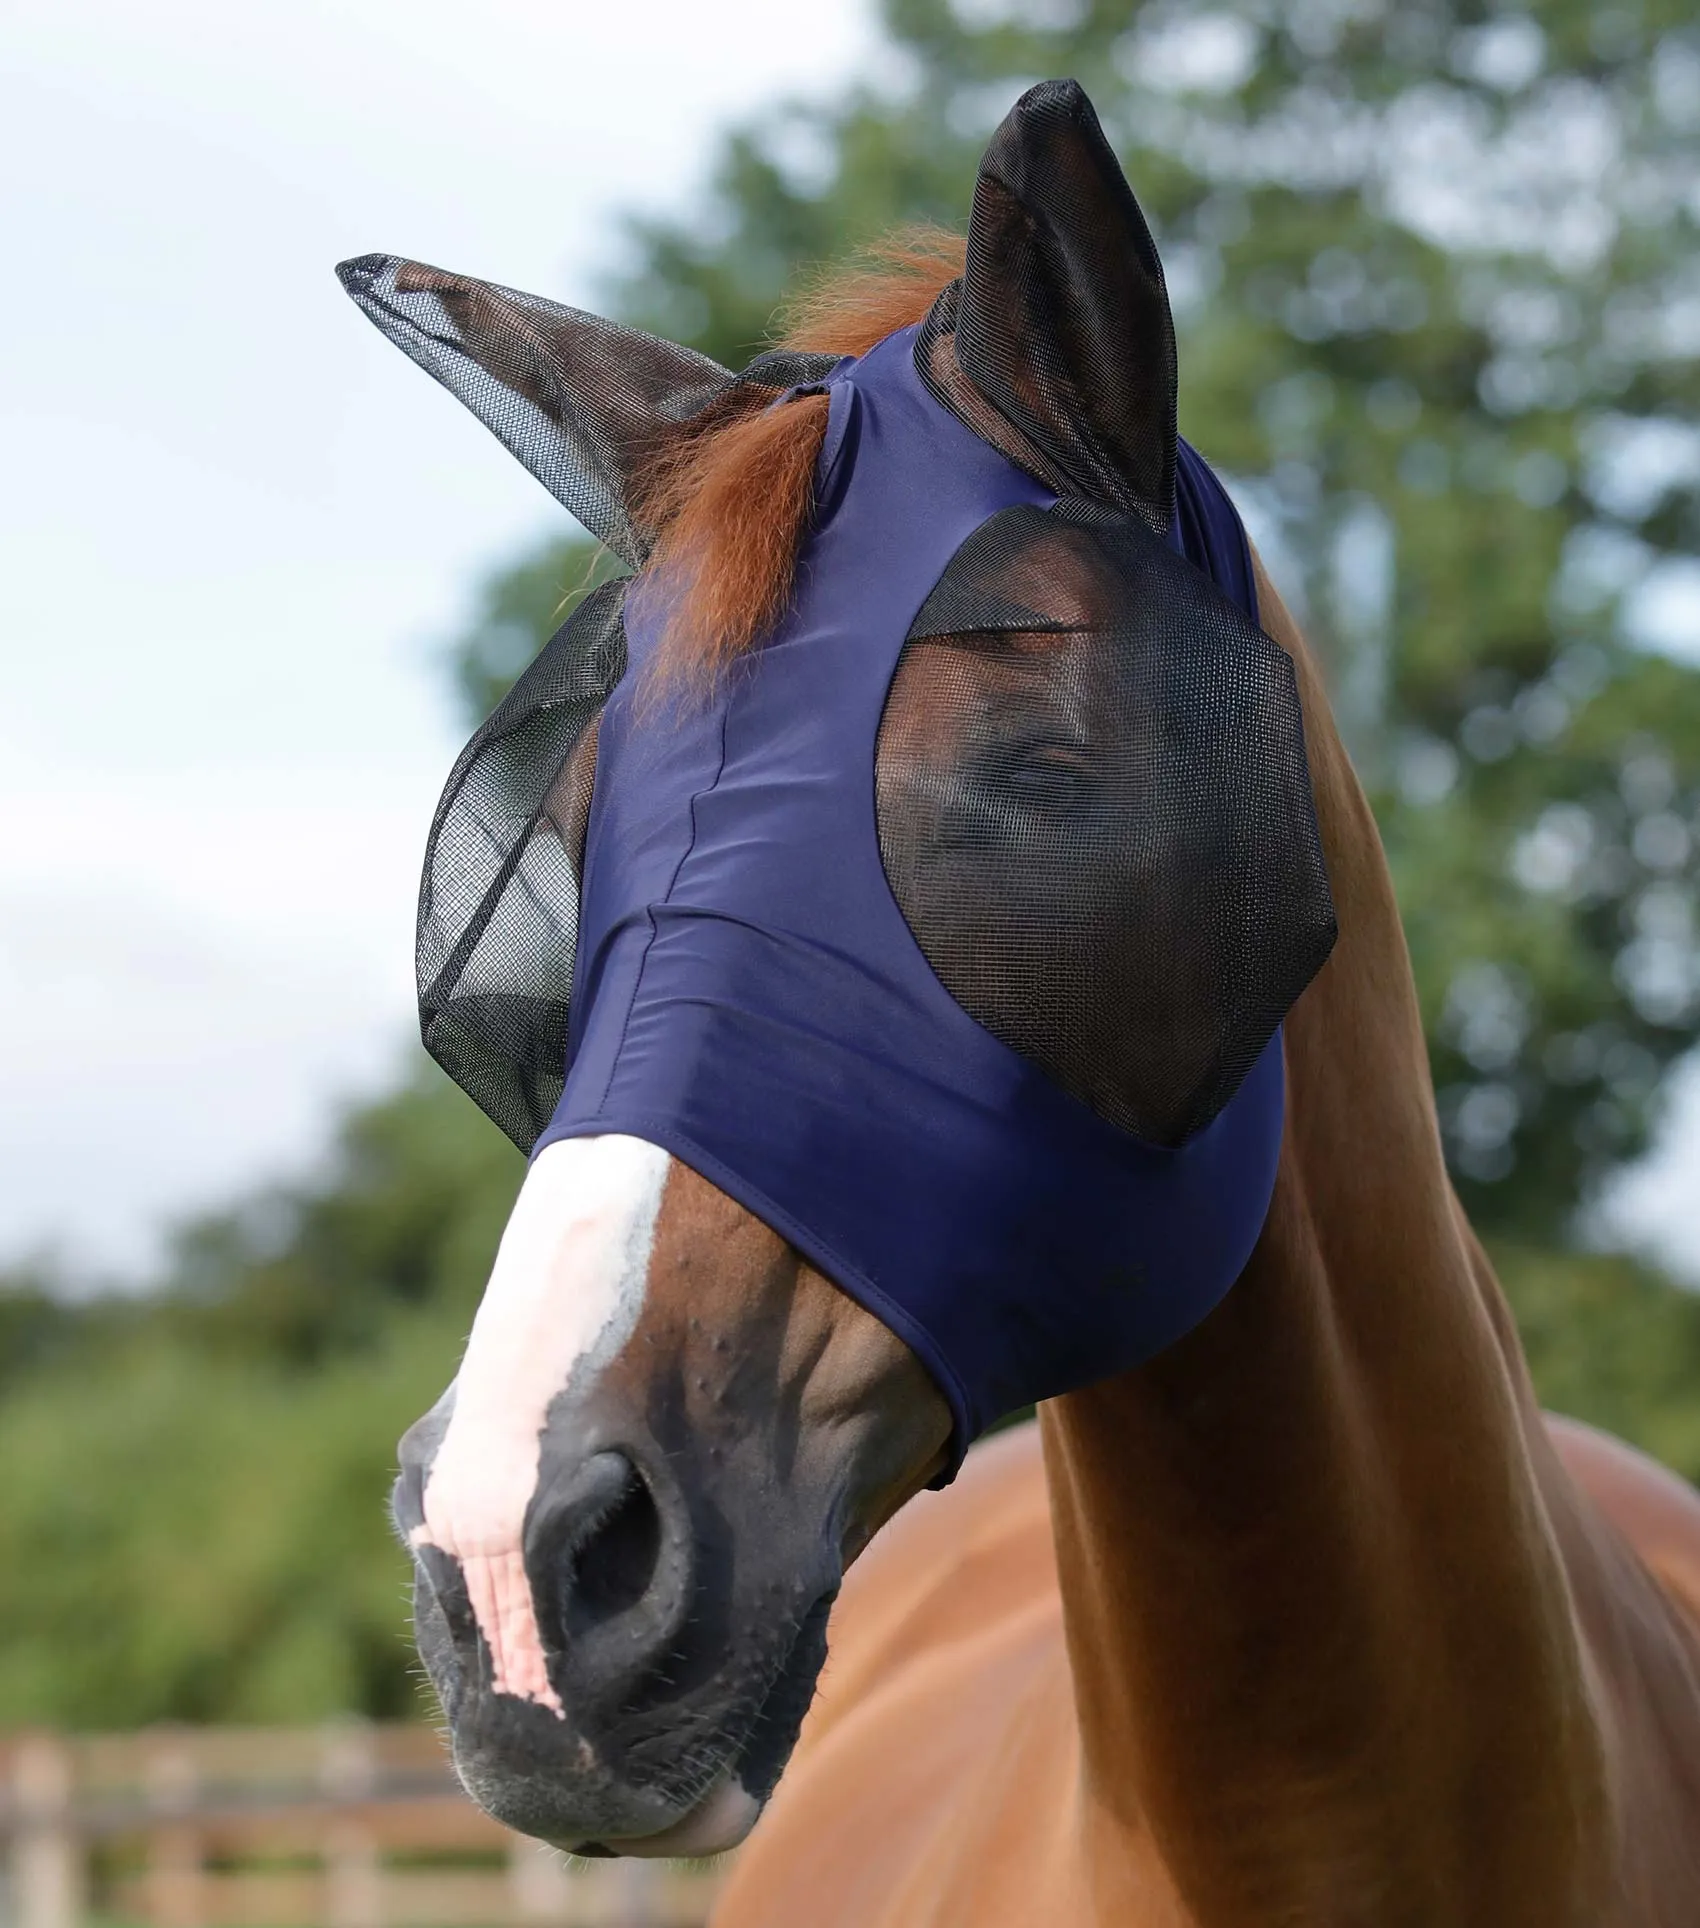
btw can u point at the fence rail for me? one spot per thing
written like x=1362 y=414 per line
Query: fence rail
x=345 y=1826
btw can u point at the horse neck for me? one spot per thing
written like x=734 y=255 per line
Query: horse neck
x=1325 y=1665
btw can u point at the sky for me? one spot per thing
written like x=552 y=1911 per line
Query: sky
x=237 y=530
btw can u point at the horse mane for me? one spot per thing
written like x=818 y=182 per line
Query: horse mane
x=731 y=500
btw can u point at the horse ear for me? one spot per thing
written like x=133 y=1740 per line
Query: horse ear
x=1062 y=320
x=583 y=403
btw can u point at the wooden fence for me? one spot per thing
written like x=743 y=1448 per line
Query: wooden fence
x=345 y=1826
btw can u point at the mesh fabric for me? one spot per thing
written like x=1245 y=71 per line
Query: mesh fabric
x=1095 y=814
x=1060 y=323
x=584 y=403
x=499 y=901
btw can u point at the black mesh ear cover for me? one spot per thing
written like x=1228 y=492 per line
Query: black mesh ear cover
x=498 y=904
x=1095 y=814
x=584 y=403
x=1061 y=319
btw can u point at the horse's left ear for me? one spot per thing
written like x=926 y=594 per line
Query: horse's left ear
x=586 y=405
x=1062 y=320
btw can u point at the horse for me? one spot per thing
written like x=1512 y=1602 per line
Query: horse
x=1291 y=1607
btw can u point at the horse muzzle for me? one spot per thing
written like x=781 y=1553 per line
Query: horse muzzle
x=631 y=1678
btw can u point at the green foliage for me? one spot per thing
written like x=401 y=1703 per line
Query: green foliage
x=186 y=1536
x=192 y=1523
x=419 y=1190
x=191 y=1526
x=1611 y=1343
x=38 y=1327
x=516 y=612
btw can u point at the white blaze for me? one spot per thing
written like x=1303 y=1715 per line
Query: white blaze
x=563 y=1297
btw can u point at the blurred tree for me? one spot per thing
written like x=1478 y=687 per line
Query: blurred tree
x=191 y=1525
x=1610 y=1343
x=185 y=1535
x=1439 y=300
x=40 y=1323
x=192 y=1522
x=419 y=1186
x=516 y=609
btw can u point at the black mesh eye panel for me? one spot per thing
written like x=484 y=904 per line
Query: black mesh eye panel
x=498 y=904
x=1097 y=819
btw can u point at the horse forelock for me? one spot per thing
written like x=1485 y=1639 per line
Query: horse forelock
x=732 y=501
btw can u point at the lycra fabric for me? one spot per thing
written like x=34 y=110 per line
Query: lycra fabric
x=748 y=994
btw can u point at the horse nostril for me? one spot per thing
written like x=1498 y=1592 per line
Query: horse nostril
x=612 y=1568
x=602 y=1543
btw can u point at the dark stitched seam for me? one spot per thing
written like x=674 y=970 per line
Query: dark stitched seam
x=643 y=965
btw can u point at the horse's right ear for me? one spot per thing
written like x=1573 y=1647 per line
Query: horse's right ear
x=583 y=403
x=1062 y=320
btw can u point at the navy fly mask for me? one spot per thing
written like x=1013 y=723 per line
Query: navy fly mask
x=951 y=933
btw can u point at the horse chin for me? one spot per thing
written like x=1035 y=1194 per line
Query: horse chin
x=718 y=1823
x=720 y=1818
x=627 y=1788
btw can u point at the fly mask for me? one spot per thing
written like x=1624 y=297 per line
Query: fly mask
x=950 y=932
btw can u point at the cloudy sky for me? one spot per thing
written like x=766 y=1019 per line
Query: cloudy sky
x=236 y=529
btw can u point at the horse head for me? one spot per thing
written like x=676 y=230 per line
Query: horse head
x=892 y=1009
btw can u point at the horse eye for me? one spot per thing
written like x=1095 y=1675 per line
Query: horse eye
x=1010 y=791
x=1049 y=776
